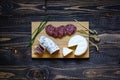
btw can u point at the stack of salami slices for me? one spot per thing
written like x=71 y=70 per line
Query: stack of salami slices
x=59 y=32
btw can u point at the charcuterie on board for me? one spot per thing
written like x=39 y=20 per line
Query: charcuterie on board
x=61 y=40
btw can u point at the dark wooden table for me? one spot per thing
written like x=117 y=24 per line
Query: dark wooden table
x=15 y=31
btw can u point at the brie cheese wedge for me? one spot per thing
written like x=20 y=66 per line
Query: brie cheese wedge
x=80 y=42
x=66 y=51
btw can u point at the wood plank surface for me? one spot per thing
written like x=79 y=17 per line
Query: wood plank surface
x=52 y=73
x=15 y=32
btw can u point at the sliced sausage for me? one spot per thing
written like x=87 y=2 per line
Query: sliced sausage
x=55 y=33
x=61 y=31
x=50 y=29
x=38 y=49
x=70 y=29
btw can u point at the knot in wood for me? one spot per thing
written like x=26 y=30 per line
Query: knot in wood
x=90 y=73
x=37 y=74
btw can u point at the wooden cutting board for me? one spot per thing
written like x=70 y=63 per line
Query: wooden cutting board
x=63 y=42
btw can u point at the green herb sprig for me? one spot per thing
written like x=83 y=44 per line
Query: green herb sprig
x=37 y=31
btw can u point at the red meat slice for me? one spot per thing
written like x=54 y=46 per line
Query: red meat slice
x=50 y=29
x=61 y=31
x=39 y=49
x=55 y=33
x=70 y=29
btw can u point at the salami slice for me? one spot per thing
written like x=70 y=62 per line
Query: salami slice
x=70 y=29
x=61 y=31
x=38 y=49
x=50 y=30
x=55 y=33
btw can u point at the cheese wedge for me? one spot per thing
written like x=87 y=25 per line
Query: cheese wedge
x=66 y=51
x=80 y=42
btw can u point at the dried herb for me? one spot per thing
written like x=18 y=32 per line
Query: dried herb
x=90 y=31
x=93 y=44
x=95 y=37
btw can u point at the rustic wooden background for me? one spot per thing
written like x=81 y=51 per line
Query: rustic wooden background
x=15 y=31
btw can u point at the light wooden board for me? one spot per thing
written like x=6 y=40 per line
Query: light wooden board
x=63 y=42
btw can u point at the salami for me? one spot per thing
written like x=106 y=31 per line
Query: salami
x=70 y=29
x=38 y=49
x=55 y=33
x=50 y=30
x=59 y=32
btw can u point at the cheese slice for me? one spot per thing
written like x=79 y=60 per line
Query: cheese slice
x=66 y=51
x=81 y=43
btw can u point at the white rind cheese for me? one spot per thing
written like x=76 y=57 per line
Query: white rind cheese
x=66 y=51
x=80 y=42
x=48 y=44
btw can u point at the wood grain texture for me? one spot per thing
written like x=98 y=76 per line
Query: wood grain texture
x=60 y=73
x=80 y=6
x=15 y=31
